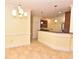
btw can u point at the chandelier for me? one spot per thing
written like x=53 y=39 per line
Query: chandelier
x=19 y=11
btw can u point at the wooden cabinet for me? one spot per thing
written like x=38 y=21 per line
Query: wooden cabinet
x=67 y=22
x=43 y=24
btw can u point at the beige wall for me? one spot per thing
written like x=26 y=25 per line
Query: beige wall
x=56 y=26
x=17 y=29
x=58 y=41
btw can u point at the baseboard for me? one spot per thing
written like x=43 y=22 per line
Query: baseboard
x=17 y=45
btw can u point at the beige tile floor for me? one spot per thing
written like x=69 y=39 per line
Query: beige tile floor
x=36 y=51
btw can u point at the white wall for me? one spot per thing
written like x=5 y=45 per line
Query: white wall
x=17 y=29
x=71 y=21
x=35 y=26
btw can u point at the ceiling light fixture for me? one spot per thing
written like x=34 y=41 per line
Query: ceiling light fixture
x=19 y=11
x=59 y=12
x=41 y=22
x=55 y=21
x=55 y=5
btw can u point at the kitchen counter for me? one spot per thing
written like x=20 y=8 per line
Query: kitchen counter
x=56 y=40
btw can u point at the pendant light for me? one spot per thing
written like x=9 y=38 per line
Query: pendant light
x=19 y=10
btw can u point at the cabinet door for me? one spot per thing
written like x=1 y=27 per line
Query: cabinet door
x=43 y=24
x=67 y=22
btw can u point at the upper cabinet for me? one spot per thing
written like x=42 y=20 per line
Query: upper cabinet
x=67 y=22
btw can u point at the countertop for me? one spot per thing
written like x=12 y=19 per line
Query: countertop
x=55 y=32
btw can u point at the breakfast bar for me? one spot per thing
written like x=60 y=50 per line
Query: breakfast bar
x=56 y=40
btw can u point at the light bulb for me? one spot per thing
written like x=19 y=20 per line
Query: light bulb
x=55 y=20
x=14 y=12
x=25 y=13
x=21 y=11
x=41 y=22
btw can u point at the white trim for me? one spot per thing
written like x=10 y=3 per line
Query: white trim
x=20 y=42
x=19 y=33
x=17 y=45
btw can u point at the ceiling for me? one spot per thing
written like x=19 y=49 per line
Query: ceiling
x=43 y=7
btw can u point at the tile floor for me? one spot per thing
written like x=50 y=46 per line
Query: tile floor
x=36 y=51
